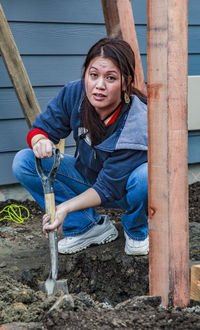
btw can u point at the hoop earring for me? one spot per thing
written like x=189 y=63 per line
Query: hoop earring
x=126 y=98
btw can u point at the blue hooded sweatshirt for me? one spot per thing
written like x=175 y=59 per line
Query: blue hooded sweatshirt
x=105 y=166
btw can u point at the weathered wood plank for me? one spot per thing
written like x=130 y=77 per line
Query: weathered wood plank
x=167 y=123
x=195 y=283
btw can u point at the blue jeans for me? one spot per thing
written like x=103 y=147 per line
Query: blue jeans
x=69 y=183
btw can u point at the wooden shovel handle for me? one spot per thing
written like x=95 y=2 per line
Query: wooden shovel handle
x=50 y=208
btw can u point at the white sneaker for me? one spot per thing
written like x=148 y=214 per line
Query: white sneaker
x=101 y=233
x=136 y=248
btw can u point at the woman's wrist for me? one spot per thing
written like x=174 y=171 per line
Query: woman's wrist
x=37 y=138
x=33 y=132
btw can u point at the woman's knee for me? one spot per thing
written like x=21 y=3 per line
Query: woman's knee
x=137 y=184
x=21 y=162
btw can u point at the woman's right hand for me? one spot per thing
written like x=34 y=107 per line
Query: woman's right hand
x=60 y=215
x=43 y=148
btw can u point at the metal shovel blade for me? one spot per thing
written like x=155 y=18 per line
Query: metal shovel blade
x=52 y=285
x=53 y=248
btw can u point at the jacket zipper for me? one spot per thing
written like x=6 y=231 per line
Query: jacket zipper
x=94 y=153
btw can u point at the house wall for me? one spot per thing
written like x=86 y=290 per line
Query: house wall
x=53 y=38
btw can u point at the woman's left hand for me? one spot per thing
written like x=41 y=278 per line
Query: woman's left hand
x=89 y=198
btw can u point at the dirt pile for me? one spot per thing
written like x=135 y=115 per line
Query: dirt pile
x=107 y=289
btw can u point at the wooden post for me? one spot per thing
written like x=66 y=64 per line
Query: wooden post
x=195 y=283
x=18 y=74
x=119 y=21
x=167 y=121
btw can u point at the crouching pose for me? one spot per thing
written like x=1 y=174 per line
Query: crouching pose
x=108 y=118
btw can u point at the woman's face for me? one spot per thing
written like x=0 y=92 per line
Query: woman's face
x=103 y=85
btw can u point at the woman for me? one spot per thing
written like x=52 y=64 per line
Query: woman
x=109 y=122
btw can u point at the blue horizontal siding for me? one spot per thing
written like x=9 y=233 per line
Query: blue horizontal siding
x=13 y=134
x=10 y=105
x=13 y=137
x=87 y=11
x=6 y=176
x=6 y=160
x=194 y=147
x=74 y=39
x=194 y=39
x=47 y=70
x=57 y=70
x=194 y=12
x=194 y=65
x=53 y=38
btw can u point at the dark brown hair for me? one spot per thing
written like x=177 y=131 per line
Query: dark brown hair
x=122 y=55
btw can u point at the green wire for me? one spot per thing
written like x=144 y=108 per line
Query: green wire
x=14 y=213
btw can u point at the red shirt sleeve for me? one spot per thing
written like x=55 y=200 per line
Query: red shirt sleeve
x=32 y=133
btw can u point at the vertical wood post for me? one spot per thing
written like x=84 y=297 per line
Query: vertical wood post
x=167 y=122
x=119 y=21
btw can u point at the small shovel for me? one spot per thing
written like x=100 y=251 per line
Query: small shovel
x=51 y=285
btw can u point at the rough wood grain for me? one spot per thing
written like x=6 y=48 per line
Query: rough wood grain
x=119 y=21
x=195 y=283
x=168 y=141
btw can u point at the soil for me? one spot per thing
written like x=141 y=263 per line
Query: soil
x=107 y=289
